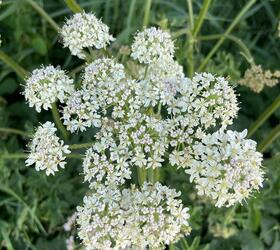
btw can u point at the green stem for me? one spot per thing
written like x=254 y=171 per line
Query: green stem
x=130 y=14
x=193 y=31
x=142 y=175
x=234 y=39
x=9 y=156
x=13 y=156
x=190 y=56
x=156 y=174
x=82 y=145
x=43 y=14
x=72 y=5
x=264 y=116
x=201 y=17
x=171 y=246
x=148 y=5
x=74 y=156
x=151 y=175
x=58 y=122
x=179 y=32
x=272 y=136
x=22 y=73
x=146 y=71
x=15 y=131
x=190 y=10
x=228 y=31
x=77 y=69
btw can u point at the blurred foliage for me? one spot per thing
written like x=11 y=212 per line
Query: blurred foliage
x=34 y=207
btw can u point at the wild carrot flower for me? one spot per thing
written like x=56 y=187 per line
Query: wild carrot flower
x=81 y=111
x=84 y=30
x=150 y=217
x=110 y=170
x=46 y=85
x=47 y=151
x=103 y=70
x=226 y=167
x=152 y=44
x=208 y=97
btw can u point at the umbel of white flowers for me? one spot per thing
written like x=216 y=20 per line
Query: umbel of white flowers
x=151 y=216
x=156 y=119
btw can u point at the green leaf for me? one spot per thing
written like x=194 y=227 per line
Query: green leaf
x=40 y=45
x=249 y=241
x=8 y=86
x=254 y=217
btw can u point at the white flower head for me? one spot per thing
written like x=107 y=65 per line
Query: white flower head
x=209 y=99
x=45 y=86
x=100 y=169
x=84 y=30
x=226 y=167
x=81 y=111
x=163 y=69
x=151 y=217
x=106 y=79
x=152 y=44
x=159 y=81
x=104 y=70
x=47 y=151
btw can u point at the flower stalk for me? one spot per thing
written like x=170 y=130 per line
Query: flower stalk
x=10 y=156
x=147 y=11
x=58 y=122
x=21 y=72
x=74 y=6
x=141 y=175
x=193 y=31
x=43 y=14
x=227 y=32
x=264 y=116
x=272 y=136
x=15 y=131
x=81 y=145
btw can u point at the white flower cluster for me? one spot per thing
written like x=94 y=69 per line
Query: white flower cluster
x=80 y=111
x=210 y=98
x=47 y=151
x=158 y=82
x=226 y=167
x=151 y=217
x=47 y=85
x=141 y=141
x=102 y=71
x=160 y=118
x=151 y=45
x=111 y=170
x=84 y=30
x=103 y=86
